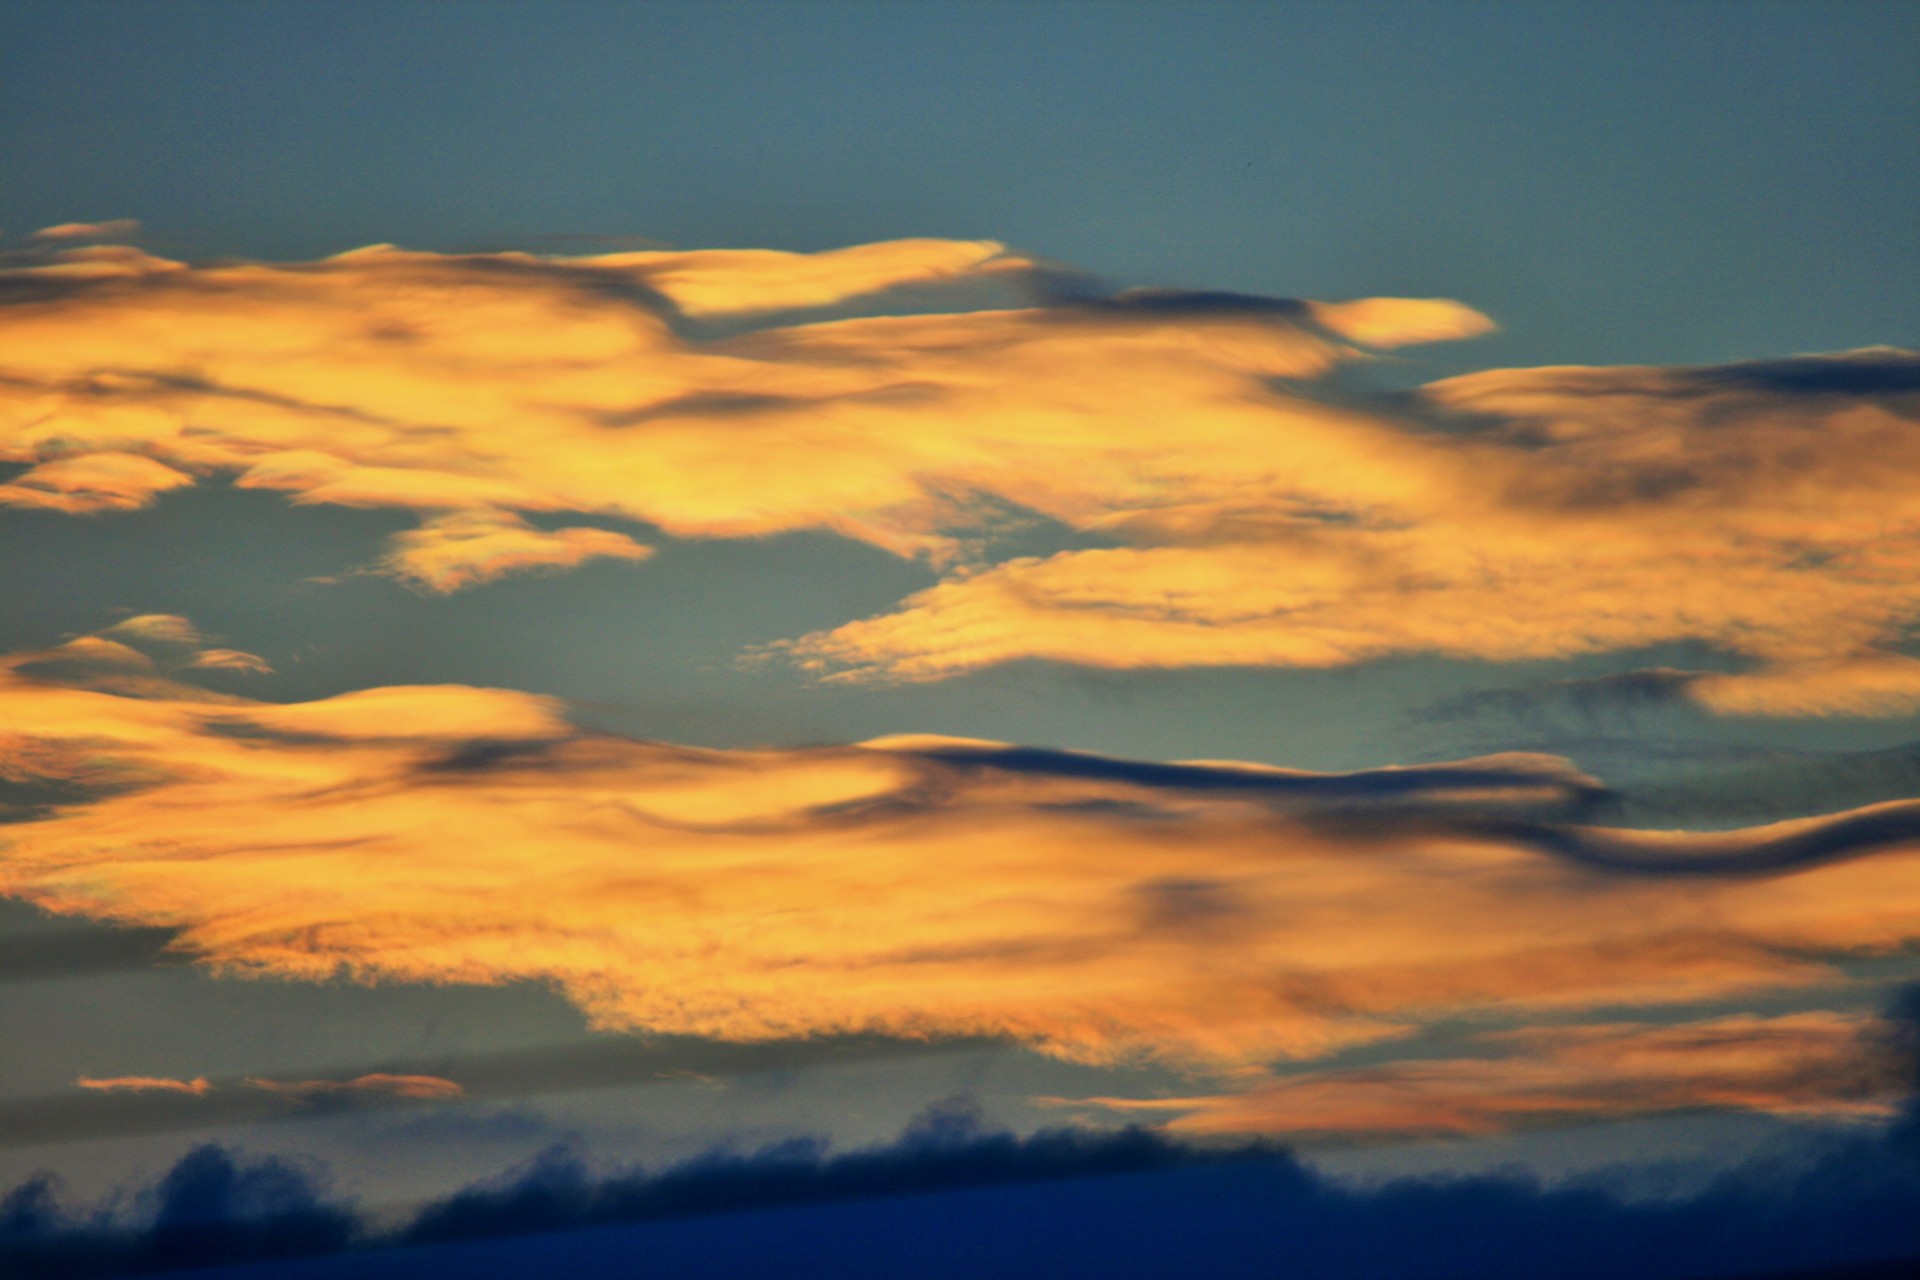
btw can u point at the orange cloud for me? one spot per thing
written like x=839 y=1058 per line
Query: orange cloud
x=230 y=660
x=1399 y=322
x=458 y=550
x=145 y=1084
x=1803 y=1064
x=1766 y=509
x=137 y=657
x=90 y=482
x=1866 y=684
x=711 y=282
x=471 y=387
x=157 y=628
x=111 y=229
x=1203 y=914
x=417 y=1088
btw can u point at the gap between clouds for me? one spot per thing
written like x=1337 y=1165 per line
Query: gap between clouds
x=1258 y=519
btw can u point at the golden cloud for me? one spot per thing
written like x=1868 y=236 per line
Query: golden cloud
x=1204 y=914
x=1812 y=1064
x=1767 y=509
x=1601 y=510
x=90 y=482
x=457 y=550
x=515 y=383
x=145 y=1084
x=112 y=228
x=413 y=1087
x=138 y=656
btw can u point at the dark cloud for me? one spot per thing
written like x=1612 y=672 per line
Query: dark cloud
x=1767 y=850
x=945 y=1149
x=1592 y=699
x=211 y=1208
x=951 y=1198
x=1479 y=780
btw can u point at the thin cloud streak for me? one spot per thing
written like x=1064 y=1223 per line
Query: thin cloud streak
x=144 y=1084
x=115 y=1108
x=1808 y=1065
x=419 y=1088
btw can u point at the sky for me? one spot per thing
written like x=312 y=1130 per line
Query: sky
x=930 y=626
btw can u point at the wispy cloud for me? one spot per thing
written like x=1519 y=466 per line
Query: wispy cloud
x=111 y=229
x=1510 y=515
x=458 y=550
x=416 y=1087
x=1806 y=1064
x=502 y=1076
x=144 y=1084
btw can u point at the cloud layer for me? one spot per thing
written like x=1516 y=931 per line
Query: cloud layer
x=1213 y=916
x=1819 y=1064
x=1255 y=516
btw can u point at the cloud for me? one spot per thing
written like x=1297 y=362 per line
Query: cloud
x=416 y=1087
x=1251 y=512
x=137 y=657
x=229 y=660
x=111 y=229
x=952 y=1197
x=459 y=550
x=490 y=386
x=209 y=1208
x=91 y=482
x=1207 y=915
x=1399 y=322
x=165 y=629
x=1804 y=1064
x=1870 y=684
x=596 y=1062
x=145 y=1084
x=710 y=282
x=1541 y=521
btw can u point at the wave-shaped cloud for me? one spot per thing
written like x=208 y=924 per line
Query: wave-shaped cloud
x=1208 y=915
